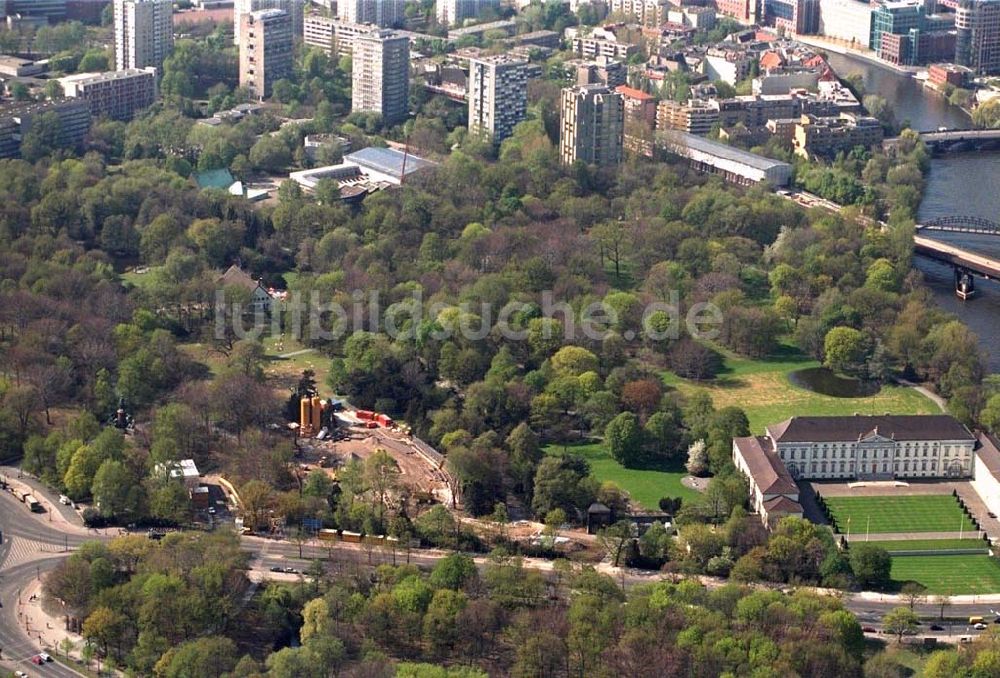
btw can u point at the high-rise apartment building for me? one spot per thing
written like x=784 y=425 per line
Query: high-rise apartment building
x=144 y=33
x=295 y=9
x=498 y=96
x=592 y=125
x=265 y=50
x=380 y=80
x=382 y=13
x=118 y=95
x=333 y=36
x=977 y=44
x=454 y=12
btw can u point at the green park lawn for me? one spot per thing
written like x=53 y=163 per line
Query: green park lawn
x=646 y=487
x=902 y=513
x=949 y=575
x=929 y=545
x=761 y=388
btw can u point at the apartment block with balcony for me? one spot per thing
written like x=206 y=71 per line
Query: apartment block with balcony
x=118 y=95
x=380 y=80
x=294 y=8
x=590 y=48
x=265 y=50
x=695 y=116
x=498 y=96
x=826 y=136
x=381 y=13
x=592 y=125
x=455 y=12
x=333 y=36
x=144 y=33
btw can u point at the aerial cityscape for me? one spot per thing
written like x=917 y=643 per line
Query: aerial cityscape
x=481 y=338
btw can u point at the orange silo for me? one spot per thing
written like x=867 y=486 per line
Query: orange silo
x=317 y=414
x=305 y=414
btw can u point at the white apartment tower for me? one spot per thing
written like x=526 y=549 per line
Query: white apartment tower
x=498 y=96
x=380 y=81
x=144 y=33
x=382 y=13
x=265 y=50
x=454 y=12
x=592 y=125
x=295 y=9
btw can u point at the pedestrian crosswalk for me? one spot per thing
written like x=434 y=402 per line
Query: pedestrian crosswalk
x=21 y=550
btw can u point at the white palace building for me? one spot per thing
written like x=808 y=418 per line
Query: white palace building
x=850 y=448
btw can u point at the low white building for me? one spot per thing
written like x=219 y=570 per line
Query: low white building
x=986 y=472
x=365 y=171
x=184 y=470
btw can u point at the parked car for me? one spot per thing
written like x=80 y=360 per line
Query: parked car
x=64 y=500
x=991 y=514
x=37 y=660
x=275 y=568
x=21 y=674
x=980 y=626
x=937 y=627
x=45 y=656
x=868 y=629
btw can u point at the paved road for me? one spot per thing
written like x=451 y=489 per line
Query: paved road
x=41 y=491
x=30 y=548
x=32 y=545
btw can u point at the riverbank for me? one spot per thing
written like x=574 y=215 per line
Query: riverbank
x=867 y=55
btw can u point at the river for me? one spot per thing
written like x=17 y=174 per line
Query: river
x=958 y=184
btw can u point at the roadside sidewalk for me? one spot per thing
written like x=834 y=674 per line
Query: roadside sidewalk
x=46 y=630
x=68 y=521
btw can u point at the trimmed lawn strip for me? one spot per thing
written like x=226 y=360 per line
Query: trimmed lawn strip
x=949 y=575
x=903 y=513
x=929 y=545
x=646 y=487
x=761 y=388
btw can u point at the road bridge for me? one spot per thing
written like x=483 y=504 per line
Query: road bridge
x=967 y=265
x=955 y=140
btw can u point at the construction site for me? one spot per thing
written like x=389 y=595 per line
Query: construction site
x=331 y=434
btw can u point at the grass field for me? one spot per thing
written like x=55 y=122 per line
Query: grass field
x=951 y=575
x=762 y=389
x=903 y=513
x=929 y=545
x=646 y=487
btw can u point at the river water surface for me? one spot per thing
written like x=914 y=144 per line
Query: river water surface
x=958 y=184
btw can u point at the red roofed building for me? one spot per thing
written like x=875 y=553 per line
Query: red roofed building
x=773 y=492
x=639 y=105
x=770 y=60
x=640 y=119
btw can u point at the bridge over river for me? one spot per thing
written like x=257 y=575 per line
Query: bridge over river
x=956 y=140
x=967 y=264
